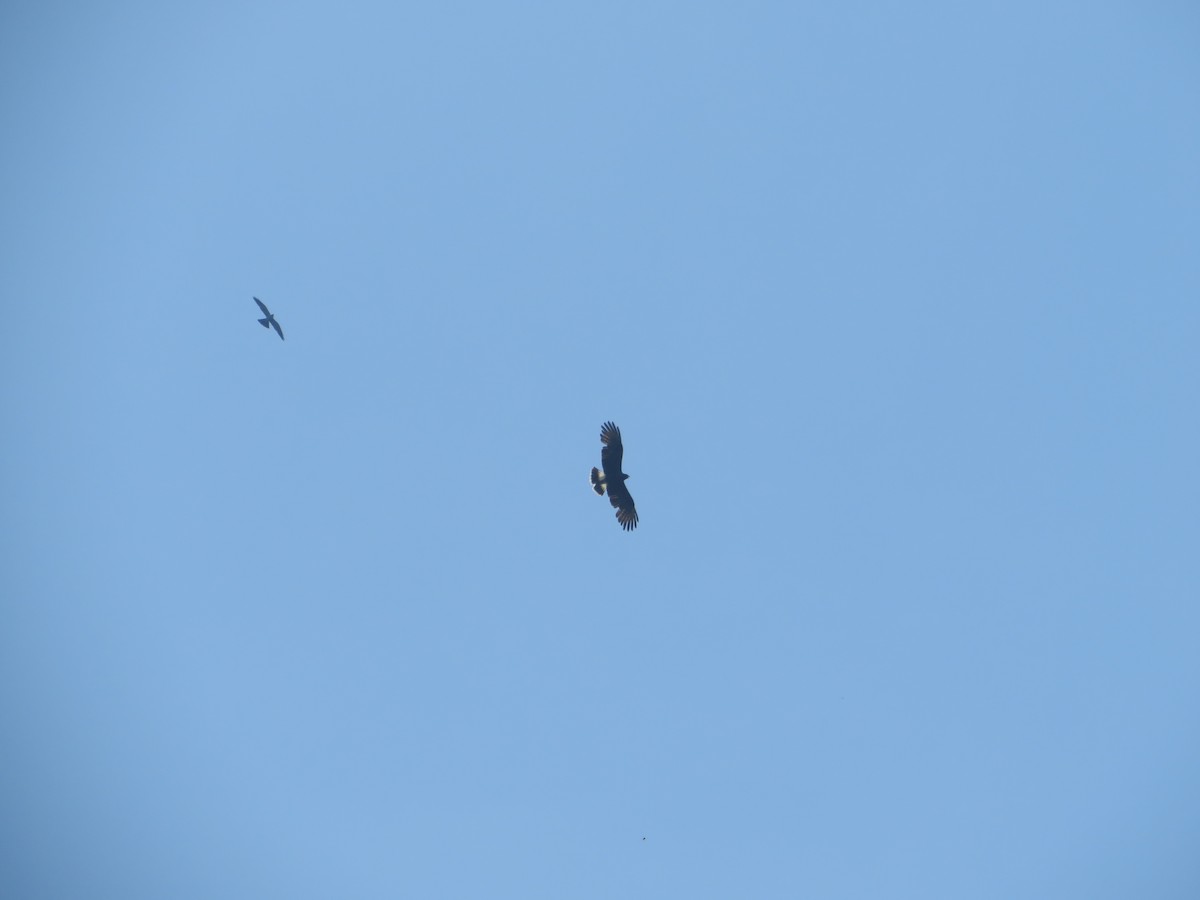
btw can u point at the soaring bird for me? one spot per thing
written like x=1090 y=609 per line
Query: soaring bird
x=269 y=321
x=613 y=478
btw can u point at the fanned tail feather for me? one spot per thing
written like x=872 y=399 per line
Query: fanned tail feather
x=597 y=481
x=265 y=323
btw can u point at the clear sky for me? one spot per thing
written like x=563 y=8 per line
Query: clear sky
x=896 y=305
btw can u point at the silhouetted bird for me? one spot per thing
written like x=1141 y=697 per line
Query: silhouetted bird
x=269 y=321
x=612 y=478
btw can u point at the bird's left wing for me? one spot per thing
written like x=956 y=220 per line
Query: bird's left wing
x=622 y=501
x=627 y=517
x=262 y=306
x=277 y=328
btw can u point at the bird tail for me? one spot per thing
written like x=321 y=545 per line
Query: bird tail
x=597 y=481
x=265 y=323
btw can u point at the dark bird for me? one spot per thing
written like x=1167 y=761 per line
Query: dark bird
x=612 y=478
x=269 y=321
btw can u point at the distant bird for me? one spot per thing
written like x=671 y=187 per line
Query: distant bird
x=269 y=321
x=613 y=478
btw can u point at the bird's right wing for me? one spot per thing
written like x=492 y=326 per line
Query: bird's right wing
x=611 y=453
x=277 y=328
x=262 y=306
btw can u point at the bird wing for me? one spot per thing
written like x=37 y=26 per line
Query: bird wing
x=263 y=307
x=277 y=328
x=622 y=501
x=611 y=452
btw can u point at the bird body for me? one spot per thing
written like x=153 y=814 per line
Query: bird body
x=612 y=479
x=269 y=321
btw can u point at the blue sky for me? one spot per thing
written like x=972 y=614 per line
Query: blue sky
x=896 y=307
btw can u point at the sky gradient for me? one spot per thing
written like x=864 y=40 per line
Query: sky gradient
x=896 y=308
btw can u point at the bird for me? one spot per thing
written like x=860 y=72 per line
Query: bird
x=612 y=478
x=269 y=321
